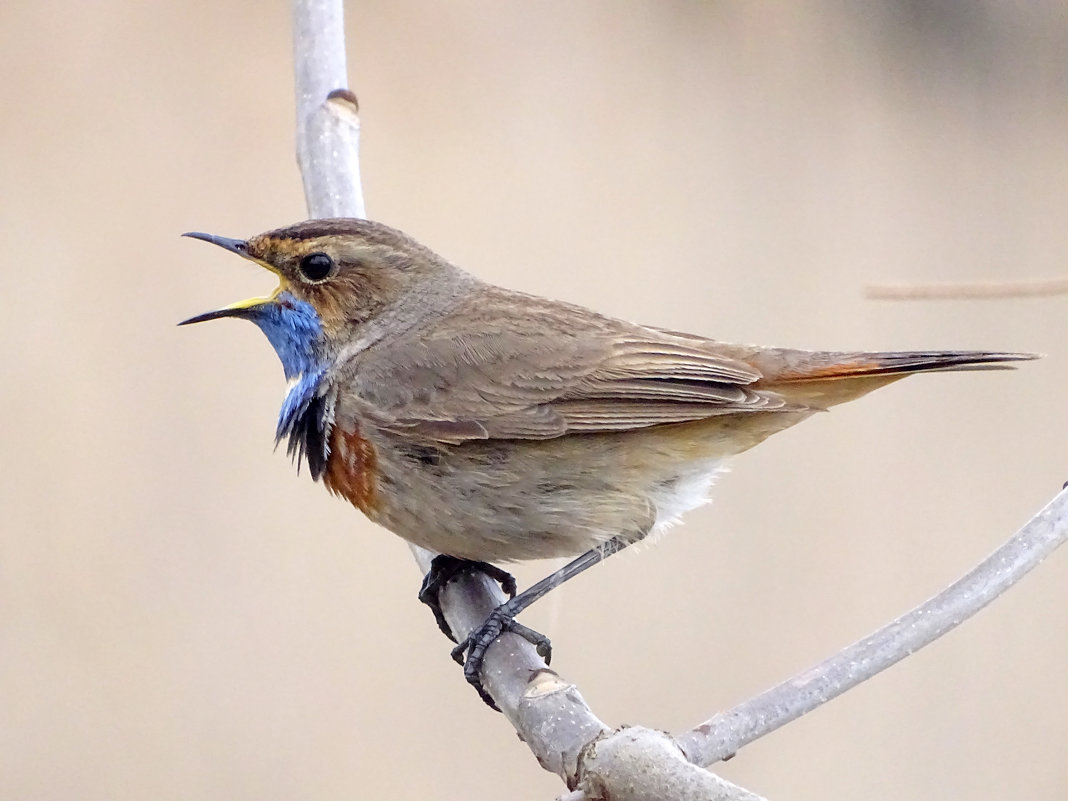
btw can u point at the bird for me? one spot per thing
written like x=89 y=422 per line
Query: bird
x=492 y=426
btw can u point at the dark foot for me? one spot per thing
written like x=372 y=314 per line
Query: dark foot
x=502 y=618
x=472 y=651
x=443 y=569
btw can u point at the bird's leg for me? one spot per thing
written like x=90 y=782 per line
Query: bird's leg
x=471 y=652
x=443 y=569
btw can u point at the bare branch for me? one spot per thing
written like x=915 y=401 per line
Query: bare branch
x=559 y=728
x=992 y=290
x=728 y=731
x=328 y=123
x=637 y=764
x=548 y=713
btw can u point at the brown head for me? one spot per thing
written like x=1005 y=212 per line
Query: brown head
x=347 y=270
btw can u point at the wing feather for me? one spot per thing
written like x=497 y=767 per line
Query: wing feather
x=537 y=369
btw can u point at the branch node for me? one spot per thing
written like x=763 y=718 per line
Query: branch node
x=635 y=763
x=345 y=98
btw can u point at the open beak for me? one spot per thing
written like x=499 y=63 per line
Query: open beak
x=243 y=308
x=238 y=246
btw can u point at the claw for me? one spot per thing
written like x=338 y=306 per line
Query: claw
x=445 y=568
x=472 y=651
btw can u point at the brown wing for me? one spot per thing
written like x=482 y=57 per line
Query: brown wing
x=510 y=366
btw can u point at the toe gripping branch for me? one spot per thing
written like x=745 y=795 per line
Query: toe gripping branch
x=472 y=650
x=444 y=569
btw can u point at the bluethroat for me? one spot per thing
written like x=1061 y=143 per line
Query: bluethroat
x=490 y=425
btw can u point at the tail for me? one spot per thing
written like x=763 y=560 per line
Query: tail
x=824 y=379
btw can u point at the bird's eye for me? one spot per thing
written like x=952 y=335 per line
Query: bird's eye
x=316 y=266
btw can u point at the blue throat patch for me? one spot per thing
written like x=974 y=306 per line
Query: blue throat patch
x=293 y=328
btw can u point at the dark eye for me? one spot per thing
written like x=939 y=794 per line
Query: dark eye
x=316 y=266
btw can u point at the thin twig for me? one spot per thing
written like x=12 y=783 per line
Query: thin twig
x=993 y=290
x=726 y=732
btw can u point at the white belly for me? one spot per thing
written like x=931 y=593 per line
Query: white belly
x=690 y=490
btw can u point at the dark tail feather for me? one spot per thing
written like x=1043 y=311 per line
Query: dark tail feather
x=933 y=360
x=825 y=379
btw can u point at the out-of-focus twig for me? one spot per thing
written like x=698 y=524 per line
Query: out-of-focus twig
x=975 y=290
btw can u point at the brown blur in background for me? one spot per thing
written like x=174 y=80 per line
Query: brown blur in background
x=181 y=617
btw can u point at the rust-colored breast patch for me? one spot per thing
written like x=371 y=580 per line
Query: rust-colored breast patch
x=352 y=469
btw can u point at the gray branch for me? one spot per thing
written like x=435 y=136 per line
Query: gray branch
x=328 y=122
x=548 y=712
x=725 y=733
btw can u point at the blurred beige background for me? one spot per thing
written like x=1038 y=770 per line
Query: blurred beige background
x=181 y=617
